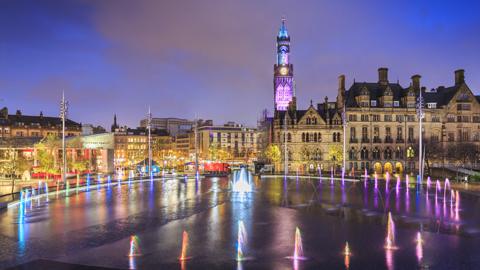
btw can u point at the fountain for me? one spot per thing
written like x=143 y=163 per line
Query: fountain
x=346 y=250
x=429 y=183
x=183 y=255
x=387 y=182
x=446 y=185
x=398 y=183
x=241 y=241
x=241 y=181
x=134 y=247
x=343 y=176
x=347 y=253
x=390 y=239
x=419 y=247
x=407 y=181
x=331 y=176
x=376 y=181
x=46 y=190
x=298 y=249
x=366 y=178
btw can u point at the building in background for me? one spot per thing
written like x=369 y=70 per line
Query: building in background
x=310 y=137
x=229 y=142
x=35 y=126
x=173 y=126
x=383 y=129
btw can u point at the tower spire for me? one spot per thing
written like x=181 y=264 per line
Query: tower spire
x=283 y=33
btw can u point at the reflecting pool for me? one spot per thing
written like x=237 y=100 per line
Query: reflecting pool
x=221 y=223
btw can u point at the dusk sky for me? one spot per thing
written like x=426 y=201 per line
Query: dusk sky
x=214 y=59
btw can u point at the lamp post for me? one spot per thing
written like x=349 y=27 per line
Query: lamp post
x=149 y=126
x=63 y=115
x=285 y=145
x=421 y=115
x=344 y=122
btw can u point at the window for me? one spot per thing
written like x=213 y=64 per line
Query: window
x=432 y=105
x=376 y=134
x=396 y=103
x=364 y=117
x=364 y=134
x=410 y=134
x=364 y=153
x=387 y=153
x=451 y=137
x=352 y=118
x=476 y=119
x=399 y=133
x=373 y=103
x=435 y=118
x=289 y=137
x=450 y=118
x=411 y=118
x=464 y=107
x=387 y=105
x=376 y=153
x=387 y=118
x=376 y=118
x=353 y=134
x=463 y=118
x=351 y=154
x=303 y=137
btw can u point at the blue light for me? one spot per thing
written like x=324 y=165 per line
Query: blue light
x=283 y=33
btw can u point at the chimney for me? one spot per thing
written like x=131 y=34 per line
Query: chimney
x=416 y=82
x=327 y=113
x=4 y=113
x=383 y=76
x=341 y=82
x=341 y=91
x=459 y=76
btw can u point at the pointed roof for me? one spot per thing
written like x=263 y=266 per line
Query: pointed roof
x=283 y=33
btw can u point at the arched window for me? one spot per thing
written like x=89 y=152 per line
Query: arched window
x=314 y=120
x=307 y=139
x=376 y=153
x=303 y=137
x=315 y=137
x=351 y=154
x=334 y=137
x=308 y=120
x=388 y=153
x=289 y=137
x=319 y=137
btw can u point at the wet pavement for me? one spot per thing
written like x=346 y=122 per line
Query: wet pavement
x=94 y=228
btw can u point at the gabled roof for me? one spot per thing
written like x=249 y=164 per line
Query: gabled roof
x=441 y=96
x=376 y=90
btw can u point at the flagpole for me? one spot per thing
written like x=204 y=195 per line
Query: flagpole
x=63 y=113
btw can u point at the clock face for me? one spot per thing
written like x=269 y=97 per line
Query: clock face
x=284 y=71
x=283 y=49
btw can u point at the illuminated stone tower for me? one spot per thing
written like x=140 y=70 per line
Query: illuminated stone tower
x=283 y=71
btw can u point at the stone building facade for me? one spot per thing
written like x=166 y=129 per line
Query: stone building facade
x=383 y=125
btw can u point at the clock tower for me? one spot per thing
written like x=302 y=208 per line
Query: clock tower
x=283 y=71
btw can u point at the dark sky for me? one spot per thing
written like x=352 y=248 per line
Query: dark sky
x=214 y=58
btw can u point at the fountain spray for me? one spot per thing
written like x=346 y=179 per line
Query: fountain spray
x=134 y=246
x=241 y=241
x=390 y=239
x=183 y=255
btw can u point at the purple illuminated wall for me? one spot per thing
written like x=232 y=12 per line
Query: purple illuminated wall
x=283 y=92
